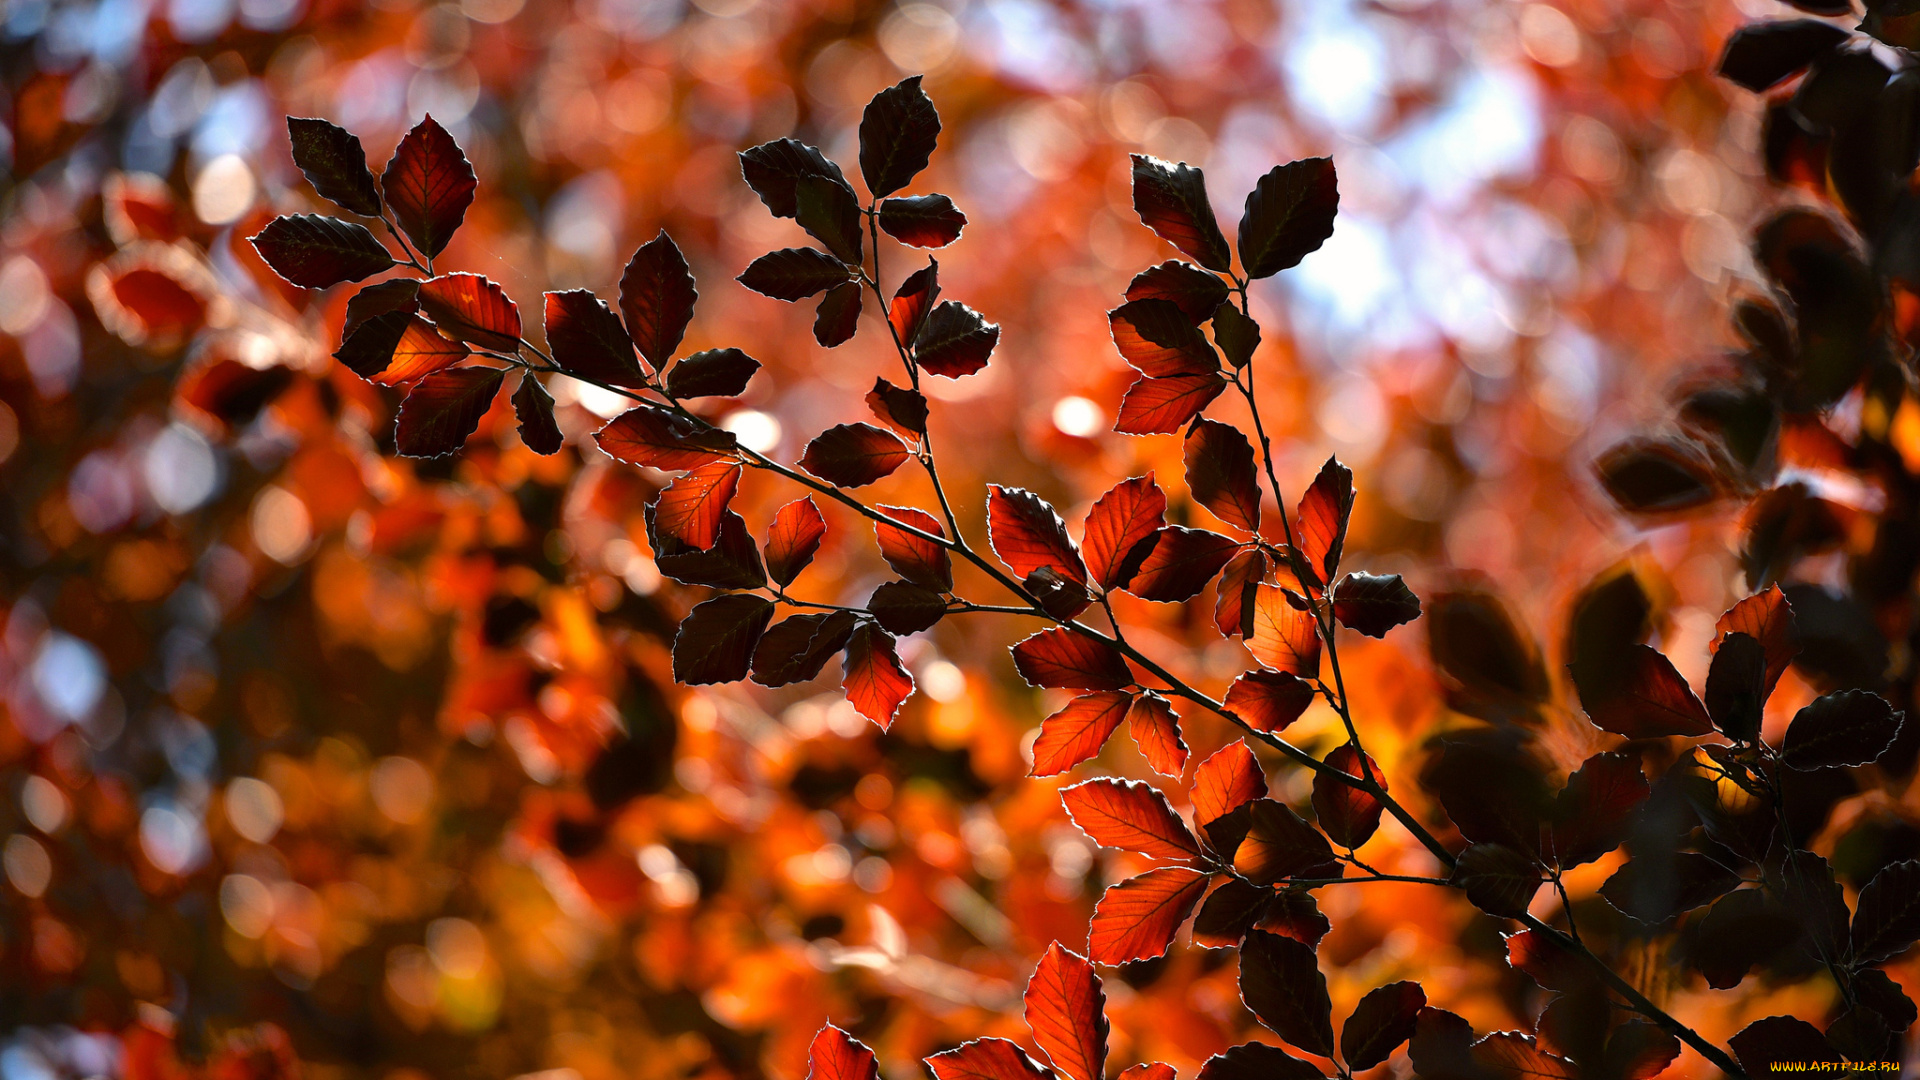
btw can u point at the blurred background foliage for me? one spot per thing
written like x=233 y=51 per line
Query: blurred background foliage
x=313 y=759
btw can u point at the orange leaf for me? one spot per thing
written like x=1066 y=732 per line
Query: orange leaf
x=874 y=681
x=1078 y=731
x=1227 y=780
x=1156 y=730
x=1027 y=534
x=836 y=1055
x=471 y=308
x=920 y=561
x=1767 y=618
x=1136 y=919
x=1163 y=406
x=662 y=440
x=689 y=509
x=1321 y=523
x=1126 y=518
x=986 y=1059
x=1130 y=815
x=1062 y=659
x=1284 y=638
x=793 y=539
x=1068 y=1014
x=1269 y=700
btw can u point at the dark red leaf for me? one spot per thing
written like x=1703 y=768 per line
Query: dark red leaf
x=986 y=1059
x=1656 y=889
x=1497 y=879
x=1509 y=1055
x=1374 y=603
x=1760 y=56
x=793 y=539
x=1239 y=589
x=315 y=252
x=1736 y=691
x=1648 y=701
x=587 y=340
x=1269 y=700
x=716 y=640
x=928 y=221
x=1160 y=341
x=903 y=608
x=853 y=455
x=913 y=300
x=1280 y=981
x=534 y=408
x=1127 y=517
x=1852 y=727
x=1227 y=780
x=659 y=439
x=1767 y=618
x=1875 y=990
x=1136 y=919
x=369 y=348
x=1781 y=1040
x=1063 y=659
x=1027 y=534
x=712 y=373
x=796 y=649
x=898 y=131
x=1380 y=1023
x=443 y=409
x=731 y=563
x=1492 y=787
x=1320 y=525
x=1196 y=292
x=1163 y=406
x=429 y=185
x=836 y=1055
x=792 y=274
x=1258 y=1061
x=689 y=509
x=1886 y=920
x=1172 y=201
x=1280 y=844
x=875 y=682
x=1442 y=1047
x=333 y=161
x=1347 y=814
x=1475 y=641
x=1130 y=815
x=1180 y=564
x=1237 y=335
x=828 y=211
x=473 y=309
x=1289 y=215
x=1284 y=638
x=1149 y=1070
x=1591 y=815
x=656 y=298
x=394 y=294
x=1078 y=731
x=1743 y=928
x=773 y=170
x=954 y=341
x=1229 y=912
x=1062 y=598
x=838 y=316
x=1648 y=475
x=1547 y=961
x=904 y=411
x=1067 y=1011
x=918 y=560
x=1221 y=474
x=1156 y=731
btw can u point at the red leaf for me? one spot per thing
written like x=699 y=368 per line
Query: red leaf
x=471 y=308
x=1649 y=699
x=986 y=1059
x=656 y=297
x=534 y=408
x=1196 y=292
x=1226 y=781
x=1132 y=816
x=1591 y=815
x=1078 y=731
x=1239 y=586
x=1284 y=638
x=689 y=509
x=1767 y=618
x=1269 y=700
x=1321 y=523
x=928 y=221
x=837 y=317
x=920 y=561
x=1279 y=845
x=445 y=408
x=420 y=351
x=1172 y=201
x=1221 y=474
x=1160 y=341
x=659 y=439
x=854 y=455
x=1348 y=815
x=716 y=640
x=712 y=373
x=836 y=1055
x=1163 y=406
x=793 y=539
x=955 y=341
x=1156 y=731
x=905 y=411
x=1126 y=518
x=798 y=648
x=152 y=295
x=1510 y=1055
x=875 y=682
x=1027 y=534
x=912 y=300
x=793 y=274
x=314 y=251
x=429 y=186
x=1062 y=659
x=1149 y=1070
x=1136 y=919
x=1067 y=1011
x=1181 y=563
x=587 y=340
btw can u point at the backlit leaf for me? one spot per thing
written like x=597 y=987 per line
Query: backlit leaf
x=1027 y=534
x=1156 y=731
x=853 y=455
x=1258 y=1061
x=874 y=681
x=332 y=160
x=828 y=211
x=472 y=309
x=1078 y=731
x=1163 y=406
x=1136 y=919
x=657 y=295
x=838 y=316
x=443 y=409
x=1067 y=1011
x=1180 y=564
x=1130 y=815
x=315 y=252
x=1280 y=981
x=1289 y=215
x=1172 y=201
x=731 y=563
x=954 y=341
x=588 y=341
x=1510 y=1055
x=773 y=170
x=1591 y=815
x=1320 y=525
x=534 y=408
x=1851 y=727
x=1736 y=691
x=689 y=509
x=1269 y=700
x=716 y=640
x=1221 y=474
x=1380 y=1023
x=1237 y=335
x=1649 y=700
x=1348 y=815
x=1160 y=341
x=1063 y=659
x=836 y=1055
x=913 y=300
x=429 y=185
x=658 y=439
x=905 y=411
x=1238 y=590
x=1284 y=638
x=1280 y=844
x=903 y=608
x=1374 y=603
x=712 y=373
x=1767 y=618
x=918 y=560
x=986 y=1059
x=1196 y=292
x=1227 y=780
x=1120 y=522
x=792 y=274
x=898 y=131
x=797 y=648
x=793 y=539
x=928 y=221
